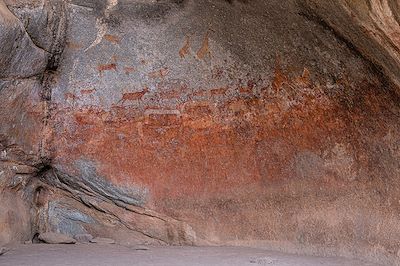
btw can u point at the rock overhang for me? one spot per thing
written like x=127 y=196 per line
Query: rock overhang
x=193 y=122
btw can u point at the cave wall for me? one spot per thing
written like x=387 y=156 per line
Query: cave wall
x=262 y=123
x=21 y=113
x=371 y=26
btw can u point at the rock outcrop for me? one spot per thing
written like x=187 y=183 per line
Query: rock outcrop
x=264 y=123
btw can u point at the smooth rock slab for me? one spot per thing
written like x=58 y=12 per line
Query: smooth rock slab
x=55 y=238
x=102 y=240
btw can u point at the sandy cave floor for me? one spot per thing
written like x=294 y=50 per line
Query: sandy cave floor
x=115 y=255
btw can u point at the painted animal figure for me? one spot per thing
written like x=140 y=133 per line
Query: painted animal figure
x=132 y=96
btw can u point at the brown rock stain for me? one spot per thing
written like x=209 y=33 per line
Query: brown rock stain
x=133 y=96
x=198 y=115
x=279 y=77
x=245 y=90
x=201 y=93
x=201 y=143
x=112 y=38
x=197 y=110
x=74 y=45
x=107 y=67
x=71 y=96
x=87 y=91
x=161 y=73
x=163 y=120
x=305 y=77
x=205 y=48
x=185 y=49
x=219 y=91
x=128 y=70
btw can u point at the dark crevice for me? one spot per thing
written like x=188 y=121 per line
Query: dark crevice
x=43 y=168
x=56 y=49
x=35 y=238
x=39 y=196
x=13 y=78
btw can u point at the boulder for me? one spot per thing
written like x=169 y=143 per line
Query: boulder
x=56 y=238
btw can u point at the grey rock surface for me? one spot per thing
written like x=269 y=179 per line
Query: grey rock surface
x=19 y=56
x=67 y=220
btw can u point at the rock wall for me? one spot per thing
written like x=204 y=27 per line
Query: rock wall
x=256 y=123
x=371 y=26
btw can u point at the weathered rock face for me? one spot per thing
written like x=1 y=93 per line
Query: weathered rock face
x=371 y=26
x=206 y=122
x=20 y=57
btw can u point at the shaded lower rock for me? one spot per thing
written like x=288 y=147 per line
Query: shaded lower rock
x=15 y=220
x=73 y=210
x=88 y=180
x=16 y=195
x=66 y=220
